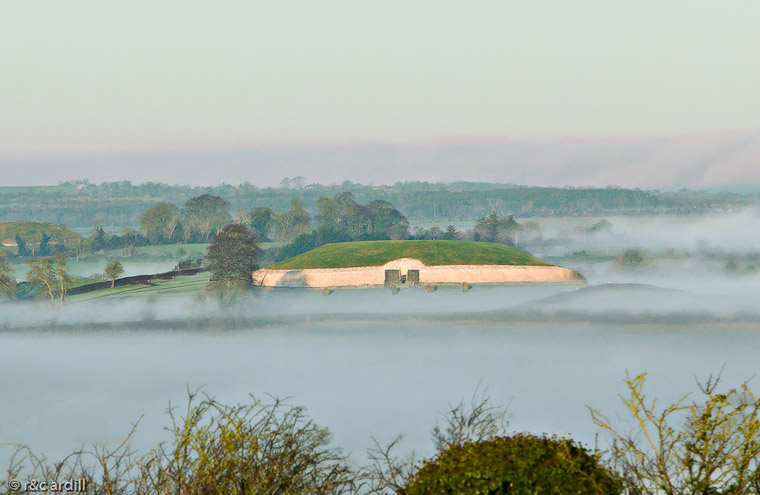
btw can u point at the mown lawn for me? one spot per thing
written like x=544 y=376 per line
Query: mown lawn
x=374 y=253
x=184 y=285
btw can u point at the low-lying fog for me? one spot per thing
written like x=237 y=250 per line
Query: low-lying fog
x=365 y=376
x=730 y=232
x=366 y=362
x=88 y=268
x=708 y=296
x=62 y=391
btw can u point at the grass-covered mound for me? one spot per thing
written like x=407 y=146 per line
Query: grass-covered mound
x=32 y=232
x=375 y=253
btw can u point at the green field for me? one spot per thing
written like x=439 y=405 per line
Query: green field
x=172 y=251
x=375 y=253
x=186 y=285
x=164 y=251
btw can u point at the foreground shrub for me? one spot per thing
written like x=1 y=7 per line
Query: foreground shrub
x=522 y=464
x=476 y=422
x=709 y=447
x=254 y=448
x=247 y=449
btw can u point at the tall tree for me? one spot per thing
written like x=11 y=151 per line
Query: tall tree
x=206 y=215
x=44 y=245
x=231 y=259
x=7 y=279
x=159 y=222
x=496 y=229
x=386 y=218
x=23 y=249
x=328 y=212
x=51 y=274
x=114 y=269
x=98 y=240
x=292 y=223
x=261 y=222
x=451 y=234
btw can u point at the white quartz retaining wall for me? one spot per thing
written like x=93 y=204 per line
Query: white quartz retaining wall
x=446 y=274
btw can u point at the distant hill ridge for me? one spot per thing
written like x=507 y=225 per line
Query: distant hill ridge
x=31 y=231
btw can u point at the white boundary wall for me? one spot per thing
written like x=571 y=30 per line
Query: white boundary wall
x=445 y=274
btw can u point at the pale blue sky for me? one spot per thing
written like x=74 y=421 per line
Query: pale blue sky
x=81 y=76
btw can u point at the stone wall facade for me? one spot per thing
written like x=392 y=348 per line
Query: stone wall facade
x=370 y=276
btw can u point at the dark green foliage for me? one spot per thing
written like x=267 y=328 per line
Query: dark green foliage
x=378 y=219
x=493 y=228
x=232 y=254
x=98 y=241
x=261 y=222
x=384 y=217
x=451 y=234
x=519 y=465
x=325 y=234
x=23 y=250
x=44 y=245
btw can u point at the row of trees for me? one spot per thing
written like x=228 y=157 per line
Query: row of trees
x=44 y=248
x=203 y=216
x=50 y=275
x=341 y=218
x=200 y=218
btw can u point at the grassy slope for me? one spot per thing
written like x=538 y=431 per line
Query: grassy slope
x=374 y=253
x=32 y=231
x=187 y=285
x=173 y=251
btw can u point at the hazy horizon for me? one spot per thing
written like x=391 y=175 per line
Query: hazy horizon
x=726 y=161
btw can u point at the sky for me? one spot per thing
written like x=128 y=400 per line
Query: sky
x=84 y=81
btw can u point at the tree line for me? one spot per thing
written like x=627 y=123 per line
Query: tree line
x=81 y=203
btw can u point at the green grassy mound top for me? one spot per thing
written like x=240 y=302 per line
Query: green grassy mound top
x=375 y=253
x=32 y=231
